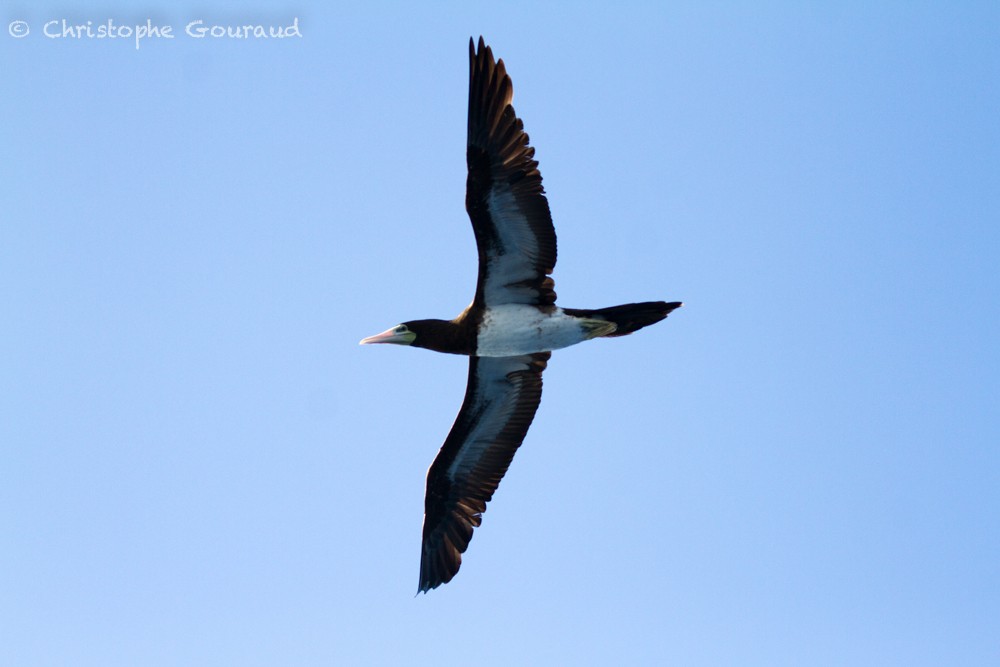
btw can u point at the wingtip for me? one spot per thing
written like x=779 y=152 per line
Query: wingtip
x=479 y=49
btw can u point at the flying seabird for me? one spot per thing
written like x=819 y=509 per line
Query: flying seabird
x=510 y=328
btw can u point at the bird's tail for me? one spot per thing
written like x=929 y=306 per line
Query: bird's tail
x=629 y=317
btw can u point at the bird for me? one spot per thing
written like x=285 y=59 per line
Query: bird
x=511 y=327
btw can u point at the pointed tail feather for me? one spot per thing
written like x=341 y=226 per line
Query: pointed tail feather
x=629 y=317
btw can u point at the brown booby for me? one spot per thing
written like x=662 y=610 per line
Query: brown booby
x=511 y=327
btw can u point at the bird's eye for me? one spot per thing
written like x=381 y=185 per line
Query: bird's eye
x=401 y=328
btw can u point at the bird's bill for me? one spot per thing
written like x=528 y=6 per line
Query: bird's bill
x=392 y=335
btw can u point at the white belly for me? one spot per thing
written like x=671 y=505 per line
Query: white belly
x=514 y=329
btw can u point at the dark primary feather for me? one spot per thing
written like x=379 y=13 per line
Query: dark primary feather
x=504 y=194
x=501 y=398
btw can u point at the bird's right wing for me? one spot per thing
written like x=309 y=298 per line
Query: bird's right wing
x=500 y=401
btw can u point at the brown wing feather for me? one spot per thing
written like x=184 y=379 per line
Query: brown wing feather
x=500 y=402
x=504 y=194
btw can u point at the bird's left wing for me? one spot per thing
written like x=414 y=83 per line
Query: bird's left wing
x=504 y=194
x=500 y=401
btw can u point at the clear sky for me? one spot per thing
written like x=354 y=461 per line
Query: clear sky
x=200 y=466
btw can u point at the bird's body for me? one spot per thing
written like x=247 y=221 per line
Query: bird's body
x=512 y=329
x=509 y=330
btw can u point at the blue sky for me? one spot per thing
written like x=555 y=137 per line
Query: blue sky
x=200 y=466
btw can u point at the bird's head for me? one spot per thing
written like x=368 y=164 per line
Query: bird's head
x=437 y=335
x=401 y=334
